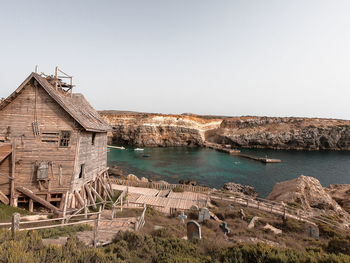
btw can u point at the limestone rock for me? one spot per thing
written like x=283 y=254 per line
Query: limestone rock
x=275 y=230
x=144 y=179
x=341 y=194
x=307 y=192
x=240 y=189
x=146 y=129
x=252 y=222
x=133 y=177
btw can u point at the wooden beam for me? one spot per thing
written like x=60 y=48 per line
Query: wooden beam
x=62 y=201
x=13 y=171
x=90 y=196
x=66 y=197
x=31 y=205
x=79 y=198
x=106 y=189
x=96 y=194
x=4 y=199
x=36 y=198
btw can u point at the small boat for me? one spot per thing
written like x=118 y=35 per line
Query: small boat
x=116 y=147
x=138 y=149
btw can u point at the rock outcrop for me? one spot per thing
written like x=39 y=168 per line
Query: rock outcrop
x=158 y=130
x=341 y=194
x=306 y=192
x=144 y=129
x=285 y=133
x=240 y=189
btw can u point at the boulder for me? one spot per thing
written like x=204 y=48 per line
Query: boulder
x=273 y=229
x=144 y=179
x=305 y=191
x=133 y=177
x=240 y=189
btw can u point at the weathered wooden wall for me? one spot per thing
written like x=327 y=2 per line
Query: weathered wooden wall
x=92 y=156
x=16 y=123
x=5 y=169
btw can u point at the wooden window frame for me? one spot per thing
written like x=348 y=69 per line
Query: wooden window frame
x=64 y=140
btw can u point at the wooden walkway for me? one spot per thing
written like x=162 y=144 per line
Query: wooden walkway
x=162 y=200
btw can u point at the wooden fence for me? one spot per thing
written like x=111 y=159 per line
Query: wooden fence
x=284 y=210
x=160 y=186
x=119 y=201
x=141 y=221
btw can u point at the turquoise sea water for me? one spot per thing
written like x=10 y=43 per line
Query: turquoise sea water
x=213 y=168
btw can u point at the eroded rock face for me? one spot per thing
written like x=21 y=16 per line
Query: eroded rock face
x=285 y=133
x=247 y=132
x=341 y=194
x=240 y=189
x=158 y=130
x=305 y=191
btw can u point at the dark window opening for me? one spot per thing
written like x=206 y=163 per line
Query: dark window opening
x=50 y=141
x=82 y=171
x=49 y=133
x=65 y=137
x=93 y=138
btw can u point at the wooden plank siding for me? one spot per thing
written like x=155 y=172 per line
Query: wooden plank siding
x=92 y=156
x=34 y=103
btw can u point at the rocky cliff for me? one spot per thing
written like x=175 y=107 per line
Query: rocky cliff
x=252 y=132
x=158 y=130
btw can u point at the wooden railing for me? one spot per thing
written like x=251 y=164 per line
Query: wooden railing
x=141 y=221
x=276 y=208
x=119 y=201
x=160 y=186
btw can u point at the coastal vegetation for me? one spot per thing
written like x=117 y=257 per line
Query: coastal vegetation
x=161 y=246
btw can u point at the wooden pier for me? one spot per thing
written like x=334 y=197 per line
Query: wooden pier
x=227 y=149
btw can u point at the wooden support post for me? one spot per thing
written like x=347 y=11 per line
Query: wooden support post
x=13 y=173
x=113 y=211
x=121 y=201
x=16 y=217
x=97 y=195
x=72 y=205
x=95 y=232
x=106 y=190
x=90 y=196
x=38 y=199
x=65 y=207
x=85 y=209
x=99 y=213
x=31 y=205
x=4 y=199
x=79 y=198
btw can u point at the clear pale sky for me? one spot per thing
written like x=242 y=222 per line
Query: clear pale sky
x=225 y=57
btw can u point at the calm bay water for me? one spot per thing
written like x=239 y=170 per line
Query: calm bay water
x=212 y=168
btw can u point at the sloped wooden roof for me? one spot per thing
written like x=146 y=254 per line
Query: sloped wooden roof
x=76 y=105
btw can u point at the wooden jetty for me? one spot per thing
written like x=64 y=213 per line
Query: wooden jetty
x=227 y=149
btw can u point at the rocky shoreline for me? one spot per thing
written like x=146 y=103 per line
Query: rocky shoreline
x=159 y=130
x=304 y=193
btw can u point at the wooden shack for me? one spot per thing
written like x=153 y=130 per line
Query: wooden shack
x=53 y=146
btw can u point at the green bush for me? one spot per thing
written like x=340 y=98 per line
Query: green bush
x=339 y=245
x=294 y=226
x=6 y=212
x=327 y=231
x=178 y=189
x=63 y=231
